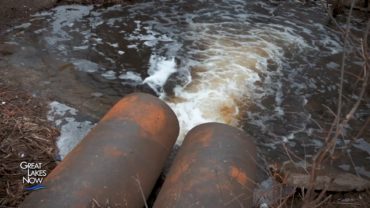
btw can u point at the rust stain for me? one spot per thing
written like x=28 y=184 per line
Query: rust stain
x=177 y=172
x=145 y=111
x=203 y=136
x=54 y=174
x=137 y=114
x=120 y=107
x=152 y=119
x=238 y=175
x=112 y=151
x=206 y=137
x=202 y=180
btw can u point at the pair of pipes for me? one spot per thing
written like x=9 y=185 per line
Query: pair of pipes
x=120 y=160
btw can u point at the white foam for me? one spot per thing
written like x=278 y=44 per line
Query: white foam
x=132 y=46
x=58 y=109
x=218 y=90
x=223 y=79
x=114 y=45
x=23 y=26
x=71 y=130
x=332 y=65
x=86 y=65
x=110 y=75
x=159 y=71
x=147 y=36
x=131 y=78
x=230 y=66
x=71 y=133
x=64 y=16
x=223 y=47
x=83 y=47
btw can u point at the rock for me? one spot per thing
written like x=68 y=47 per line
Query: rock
x=174 y=80
x=328 y=178
x=146 y=89
x=270 y=192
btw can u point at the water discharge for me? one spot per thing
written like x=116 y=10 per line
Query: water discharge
x=250 y=64
x=221 y=85
x=224 y=71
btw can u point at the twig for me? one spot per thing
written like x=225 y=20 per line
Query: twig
x=367 y=123
x=141 y=190
x=337 y=124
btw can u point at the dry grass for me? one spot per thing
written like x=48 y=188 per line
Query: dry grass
x=25 y=135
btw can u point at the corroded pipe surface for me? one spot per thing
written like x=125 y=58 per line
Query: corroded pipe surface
x=215 y=167
x=118 y=161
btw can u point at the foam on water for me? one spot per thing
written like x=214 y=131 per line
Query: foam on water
x=159 y=71
x=131 y=76
x=86 y=65
x=64 y=16
x=224 y=75
x=72 y=131
x=227 y=56
x=219 y=90
x=249 y=64
x=110 y=75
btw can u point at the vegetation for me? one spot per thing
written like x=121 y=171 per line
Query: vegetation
x=25 y=135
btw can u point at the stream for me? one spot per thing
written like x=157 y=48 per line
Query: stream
x=268 y=69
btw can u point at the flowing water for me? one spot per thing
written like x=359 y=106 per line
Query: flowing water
x=265 y=68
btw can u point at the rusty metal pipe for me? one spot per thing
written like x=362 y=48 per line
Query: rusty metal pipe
x=118 y=161
x=215 y=167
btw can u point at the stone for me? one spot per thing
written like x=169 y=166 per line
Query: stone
x=328 y=178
